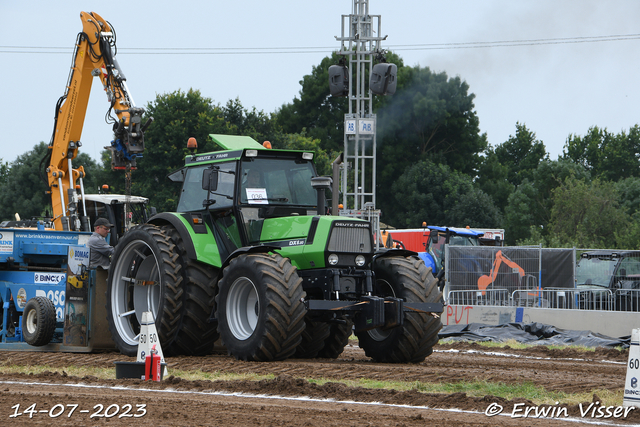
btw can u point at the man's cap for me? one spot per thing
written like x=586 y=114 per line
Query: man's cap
x=102 y=221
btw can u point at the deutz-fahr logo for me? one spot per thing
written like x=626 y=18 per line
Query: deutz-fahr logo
x=212 y=157
x=352 y=224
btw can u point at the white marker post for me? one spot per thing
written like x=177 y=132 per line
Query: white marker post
x=632 y=383
x=149 y=341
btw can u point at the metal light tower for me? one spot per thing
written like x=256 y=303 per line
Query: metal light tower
x=360 y=41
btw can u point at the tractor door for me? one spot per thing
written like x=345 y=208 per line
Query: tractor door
x=210 y=188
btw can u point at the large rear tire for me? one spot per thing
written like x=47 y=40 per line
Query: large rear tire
x=197 y=335
x=259 y=307
x=409 y=279
x=39 y=321
x=145 y=275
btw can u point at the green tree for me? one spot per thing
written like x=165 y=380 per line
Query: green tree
x=24 y=191
x=629 y=190
x=587 y=214
x=436 y=194
x=93 y=172
x=430 y=117
x=178 y=116
x=475 y=209
x=521 y=215
x=606 y=155
x=4 y=172
x=531 y=203
x=629 y=237
x=24 y=188
x=508 y=164
x=493 y=179
x=521 y=154
x=321 y=158
x=318 y=113
x=256 y=124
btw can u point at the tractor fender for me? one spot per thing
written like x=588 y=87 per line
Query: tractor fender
x=173 y=220
x=384 y=253
x=246 y=250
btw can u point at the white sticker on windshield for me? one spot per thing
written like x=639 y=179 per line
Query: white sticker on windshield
x=257 y=196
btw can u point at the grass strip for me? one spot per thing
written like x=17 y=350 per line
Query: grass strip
x=527 y=390
x=512 y=343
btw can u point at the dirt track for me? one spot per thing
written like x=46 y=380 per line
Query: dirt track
x=178 y=402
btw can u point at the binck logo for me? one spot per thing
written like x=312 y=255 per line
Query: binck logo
x=49 y=278
x=4 y=241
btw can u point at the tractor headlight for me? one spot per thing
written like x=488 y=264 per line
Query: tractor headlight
x=333 y=259
x=360 y=260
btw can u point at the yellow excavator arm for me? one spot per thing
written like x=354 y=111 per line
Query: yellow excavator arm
x=94 y=56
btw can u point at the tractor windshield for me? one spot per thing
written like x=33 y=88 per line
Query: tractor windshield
x=463 y=241
x=276 y=181
x=595 y=271
x=272 y=188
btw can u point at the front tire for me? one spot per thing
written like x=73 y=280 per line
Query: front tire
x=39 y=321
x=145 y=275
x=409 y=279
x=260 y=311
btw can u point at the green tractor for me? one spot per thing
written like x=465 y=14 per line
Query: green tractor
x=251 y=258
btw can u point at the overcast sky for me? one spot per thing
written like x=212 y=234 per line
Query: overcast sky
x=562 y=84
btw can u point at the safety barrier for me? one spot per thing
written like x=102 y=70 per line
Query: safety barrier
x=558 y=298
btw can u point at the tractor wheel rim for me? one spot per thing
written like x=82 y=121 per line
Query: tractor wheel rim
x=243 y=308
x=129 y=300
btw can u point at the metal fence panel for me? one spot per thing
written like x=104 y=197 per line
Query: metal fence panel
x=511 y=268
x=539 y=277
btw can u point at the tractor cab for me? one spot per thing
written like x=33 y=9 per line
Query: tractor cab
x=242 y=187
x=439 y=236
x=120 y=210
x=608 y=270
x=607 y=279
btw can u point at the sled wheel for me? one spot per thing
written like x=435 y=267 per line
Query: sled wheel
x=409 y=279
x=39 y=321
x=259 y=307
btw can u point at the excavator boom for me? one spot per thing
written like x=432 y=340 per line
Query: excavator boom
x=94 y=56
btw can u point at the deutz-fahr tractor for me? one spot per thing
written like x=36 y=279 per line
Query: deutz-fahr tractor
x=252 y=258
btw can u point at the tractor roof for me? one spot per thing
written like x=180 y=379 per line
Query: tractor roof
x=467 y=232
x=608 y=253
x=108 y=199
x=235 y=147
x=236 y=142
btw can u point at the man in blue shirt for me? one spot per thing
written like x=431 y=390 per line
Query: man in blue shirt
x=101 y=251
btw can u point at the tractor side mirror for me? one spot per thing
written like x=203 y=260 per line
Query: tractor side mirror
x=433 y=237
x=210 y=180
